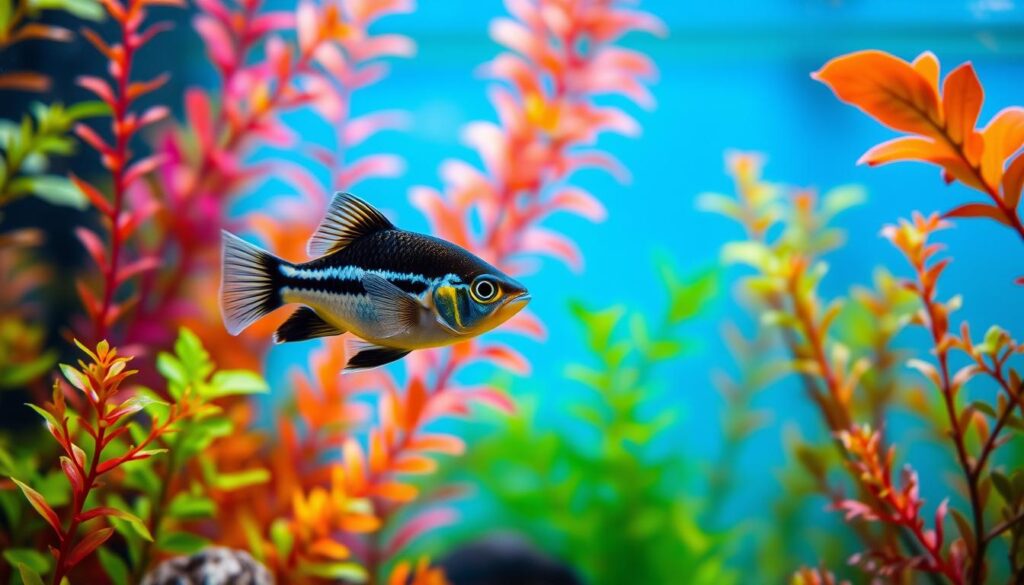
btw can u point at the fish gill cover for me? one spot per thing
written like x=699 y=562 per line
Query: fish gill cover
x=833 y=419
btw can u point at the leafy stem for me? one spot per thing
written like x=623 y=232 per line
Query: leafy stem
x=156 y=518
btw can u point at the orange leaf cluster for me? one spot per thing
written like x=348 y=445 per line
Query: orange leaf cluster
x=942 y=124
x=405 y=573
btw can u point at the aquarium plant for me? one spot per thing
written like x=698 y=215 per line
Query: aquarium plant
x=854 y=390
x=137 y=429
x=173 y=456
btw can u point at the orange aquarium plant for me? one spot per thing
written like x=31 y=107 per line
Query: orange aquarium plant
x=942 y=125
x=545 y=103
x=898 y=533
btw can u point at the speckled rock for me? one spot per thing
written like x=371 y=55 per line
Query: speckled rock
x=213 y=566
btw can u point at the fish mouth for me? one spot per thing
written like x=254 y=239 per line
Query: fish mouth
x=515 y=303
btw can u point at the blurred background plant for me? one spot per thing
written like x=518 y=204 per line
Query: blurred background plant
x=898 y=535
x=614 y=468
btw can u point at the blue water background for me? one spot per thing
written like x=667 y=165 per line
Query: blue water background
x=734 y=75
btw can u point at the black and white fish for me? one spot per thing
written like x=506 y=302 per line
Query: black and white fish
x=398 y=291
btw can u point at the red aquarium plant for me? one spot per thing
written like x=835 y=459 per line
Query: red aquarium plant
x=103 y=420
x=561 y=55
x=207 y=164
x=120 y=220
x=942 y=124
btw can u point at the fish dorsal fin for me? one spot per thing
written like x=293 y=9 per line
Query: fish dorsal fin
x=348 y=218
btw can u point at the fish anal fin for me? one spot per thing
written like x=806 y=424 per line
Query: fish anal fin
x=304 y=324
x=371 y=356
x=348 y=218
x=397 y=311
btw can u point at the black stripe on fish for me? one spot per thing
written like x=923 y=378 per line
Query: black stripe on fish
x=340 y=286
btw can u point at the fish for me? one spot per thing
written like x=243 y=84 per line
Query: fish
x=396 y=291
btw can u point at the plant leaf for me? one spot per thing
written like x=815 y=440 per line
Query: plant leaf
x=28 y=575
x=886 y=88
x=114 y=566
x=235 y=382
x=962 y=97
x=39 y=503
x=182 y=543
x=978 y=210
x=91 y=542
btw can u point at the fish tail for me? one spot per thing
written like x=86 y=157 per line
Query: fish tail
x=250 y=283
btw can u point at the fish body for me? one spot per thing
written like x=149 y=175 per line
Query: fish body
x=396 y=290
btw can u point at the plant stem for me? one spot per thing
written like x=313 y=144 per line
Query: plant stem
x=957 y=434
x=118 y=164
x=1004 y=526
x=79 y=502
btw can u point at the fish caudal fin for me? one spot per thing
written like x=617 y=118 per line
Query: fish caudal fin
x=304 y=324
x=250 y=283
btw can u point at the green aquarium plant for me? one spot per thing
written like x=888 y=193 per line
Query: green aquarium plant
x=121 y=447
x=605 y=488
x=29 y=145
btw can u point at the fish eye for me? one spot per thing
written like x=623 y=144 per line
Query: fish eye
x=484 y=290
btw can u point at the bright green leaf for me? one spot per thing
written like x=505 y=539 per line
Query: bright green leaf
x=183 y=543
x=50 y=188
x=33 y=559
x=190 y=506
x=241 y=479
x=235 y=382
x=28 y=575
x=114 y=566
x=347 y=571
x=85 y=9
x=87 y=109
x=282 y=537
x=842 y=198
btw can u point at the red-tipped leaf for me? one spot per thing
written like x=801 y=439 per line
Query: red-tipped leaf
x=93 y=195
x=38 y=502
x=91 y=542
x=93 y=245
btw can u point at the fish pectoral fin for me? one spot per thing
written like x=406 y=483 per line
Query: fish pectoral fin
x=397 y=311
x=304 y=324
x=370 y=356
x=348 y=218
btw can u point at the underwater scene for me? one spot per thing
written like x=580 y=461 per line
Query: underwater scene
x=532 y=292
